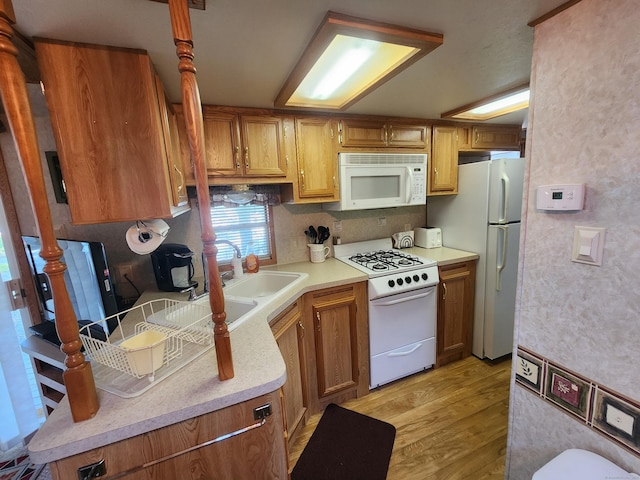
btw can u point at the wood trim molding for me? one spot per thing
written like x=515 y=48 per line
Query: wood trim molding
x=553 y=13
x=31 y=298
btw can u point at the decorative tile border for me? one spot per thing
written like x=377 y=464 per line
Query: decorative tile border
x=609 y=413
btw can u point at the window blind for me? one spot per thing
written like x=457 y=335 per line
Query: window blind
x=246 y=226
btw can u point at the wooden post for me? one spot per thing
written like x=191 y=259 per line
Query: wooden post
x=192 y=108
x=78 y=377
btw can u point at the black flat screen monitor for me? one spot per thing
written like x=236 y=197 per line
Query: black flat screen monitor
x=86 y=277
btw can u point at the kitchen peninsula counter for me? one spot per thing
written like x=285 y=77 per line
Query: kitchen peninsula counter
x=195 y=389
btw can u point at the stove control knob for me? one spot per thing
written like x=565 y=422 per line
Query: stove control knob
x=425 y=276
x=407 y=279
x=391 y=283
x=416 y=278
x=399 y=281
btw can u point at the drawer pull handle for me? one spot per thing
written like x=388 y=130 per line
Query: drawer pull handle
x=191 y=449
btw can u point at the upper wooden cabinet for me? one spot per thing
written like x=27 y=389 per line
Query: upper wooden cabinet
x=386 y=133
x=443 y=165
x=112 y=131
x=317 y=165
x=489 y=137
x=169 y=120
x=245 y=146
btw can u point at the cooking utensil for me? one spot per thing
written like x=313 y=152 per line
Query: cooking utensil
x=314 y=234
x=323 y=234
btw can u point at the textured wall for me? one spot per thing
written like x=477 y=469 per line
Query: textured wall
x=583 y=128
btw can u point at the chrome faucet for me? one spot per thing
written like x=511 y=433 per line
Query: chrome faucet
x=192 y=291
x=227 y=242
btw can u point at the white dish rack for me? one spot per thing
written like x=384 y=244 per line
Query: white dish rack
x=188 y=333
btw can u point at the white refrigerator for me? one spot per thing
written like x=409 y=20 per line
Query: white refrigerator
x=484 y=218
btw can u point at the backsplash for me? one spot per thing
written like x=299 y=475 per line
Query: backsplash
x=596 y=406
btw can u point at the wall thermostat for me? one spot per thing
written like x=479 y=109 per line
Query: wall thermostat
x=560 y=197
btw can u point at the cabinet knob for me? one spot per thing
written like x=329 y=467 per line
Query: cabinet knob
x=444 y=290
x=302 y=179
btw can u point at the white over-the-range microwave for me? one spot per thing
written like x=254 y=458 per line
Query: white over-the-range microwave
x=380 y=180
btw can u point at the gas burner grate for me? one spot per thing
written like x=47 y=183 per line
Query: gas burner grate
x=381 y=260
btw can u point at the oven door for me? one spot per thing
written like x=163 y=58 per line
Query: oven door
x=402 y=334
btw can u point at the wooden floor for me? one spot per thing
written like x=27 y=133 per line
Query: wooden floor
x=451 y=422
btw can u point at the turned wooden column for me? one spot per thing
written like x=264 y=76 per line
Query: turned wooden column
x=78 y=378
x=192 y=108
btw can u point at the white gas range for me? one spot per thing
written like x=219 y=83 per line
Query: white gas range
x=402 y=307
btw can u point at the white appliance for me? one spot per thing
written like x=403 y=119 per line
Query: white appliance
x=380 y=180
x=428 y=237
x=402 y=308
x=484 y=218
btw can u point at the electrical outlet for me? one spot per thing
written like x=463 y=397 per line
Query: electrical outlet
x=123 y=269
x=382 y=221
x=337 y=226
x=297 y=242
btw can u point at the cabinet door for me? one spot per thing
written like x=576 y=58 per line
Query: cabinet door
x=443 y=172
x=496 y=137
x=108 y=131
x=317 y=163
x=407 y=136
x=336 y=344
x=454 y=334
x=169 y=120
x=362 y=133
x=289 y=331
x=263 y=149
x=464 y=137
x=222 y=143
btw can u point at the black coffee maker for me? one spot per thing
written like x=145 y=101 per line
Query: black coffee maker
x=173 y=267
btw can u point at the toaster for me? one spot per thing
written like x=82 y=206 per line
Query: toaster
x=427 y=237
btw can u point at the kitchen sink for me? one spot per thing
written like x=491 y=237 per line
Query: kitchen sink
x=236 y=309
x=262 y=284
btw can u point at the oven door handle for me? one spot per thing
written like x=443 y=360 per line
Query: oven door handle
x=380 y=302
x=404 y=354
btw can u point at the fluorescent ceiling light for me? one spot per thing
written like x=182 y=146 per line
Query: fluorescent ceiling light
x=492 y=107
x=349 y=57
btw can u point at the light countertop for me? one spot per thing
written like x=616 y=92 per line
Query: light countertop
x=195 y=389
x=443 y=255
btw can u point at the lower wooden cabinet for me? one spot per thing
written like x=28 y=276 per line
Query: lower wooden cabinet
x=456 y=293
x=289 y=333
x=324 y=341
x=338 y=368
x=188 y=449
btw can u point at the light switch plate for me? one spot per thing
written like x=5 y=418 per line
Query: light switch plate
x=588 y=245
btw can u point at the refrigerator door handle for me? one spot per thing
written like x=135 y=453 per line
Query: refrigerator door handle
x=503 y=257
x=505 y=198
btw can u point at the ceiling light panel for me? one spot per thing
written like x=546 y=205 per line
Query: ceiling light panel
x=347 y=58
x=494 y=106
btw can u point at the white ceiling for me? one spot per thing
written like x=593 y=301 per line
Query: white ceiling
x=245 y=49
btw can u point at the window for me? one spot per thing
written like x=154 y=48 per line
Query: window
x=246 y=226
